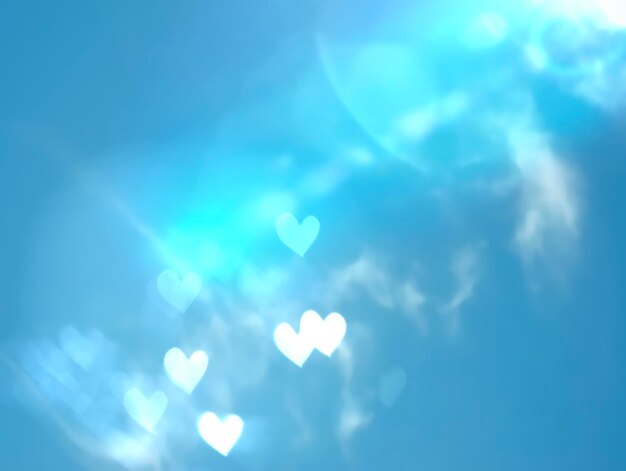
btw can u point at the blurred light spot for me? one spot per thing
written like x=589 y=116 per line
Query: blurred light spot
x=391 y=386
x=536 y=58
x=614 y=10
x=487 y=30
x=179 y=293
x=54 y=362
x=351 y=420
x=260 y=286
x=417 y=124
x=132 y=452
x=325 y=179
x=147 y=412
x=269 y=206
x=82 y=350
x=360 y=156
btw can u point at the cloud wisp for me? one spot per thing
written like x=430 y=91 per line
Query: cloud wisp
x=550 y=203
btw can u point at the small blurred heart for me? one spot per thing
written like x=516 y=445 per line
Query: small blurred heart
x=147 y=412
x=179 y=293
x=298 y=237
x=80 y=349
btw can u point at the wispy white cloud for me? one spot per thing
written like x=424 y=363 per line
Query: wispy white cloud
x=364 y=274
x=550 y=206
x=352 y=418
x=412 y=301
x=464 y=267
x=592 y=43
x=368 y=275
x=418 y=123
x=602 y=85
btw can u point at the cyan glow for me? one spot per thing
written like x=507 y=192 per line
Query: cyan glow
x=297 y=236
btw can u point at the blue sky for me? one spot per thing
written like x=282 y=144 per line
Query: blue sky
x=466 y=165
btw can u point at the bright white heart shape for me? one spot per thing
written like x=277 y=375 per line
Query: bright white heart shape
x=146 y=412
x=324 y=335
x=179 y=293
x=220 y=435
x=311 y=325
x=185 y=372
x=331 y=333
x=295 y=347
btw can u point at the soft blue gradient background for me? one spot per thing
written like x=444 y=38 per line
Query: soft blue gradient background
x=137 y=136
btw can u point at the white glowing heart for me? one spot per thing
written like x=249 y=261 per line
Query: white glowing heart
x=185 y=372
x=179 y=293
x=324 y=335
x=331 y=332
x=296 y=348
x=220 y=435
x=147 y=412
